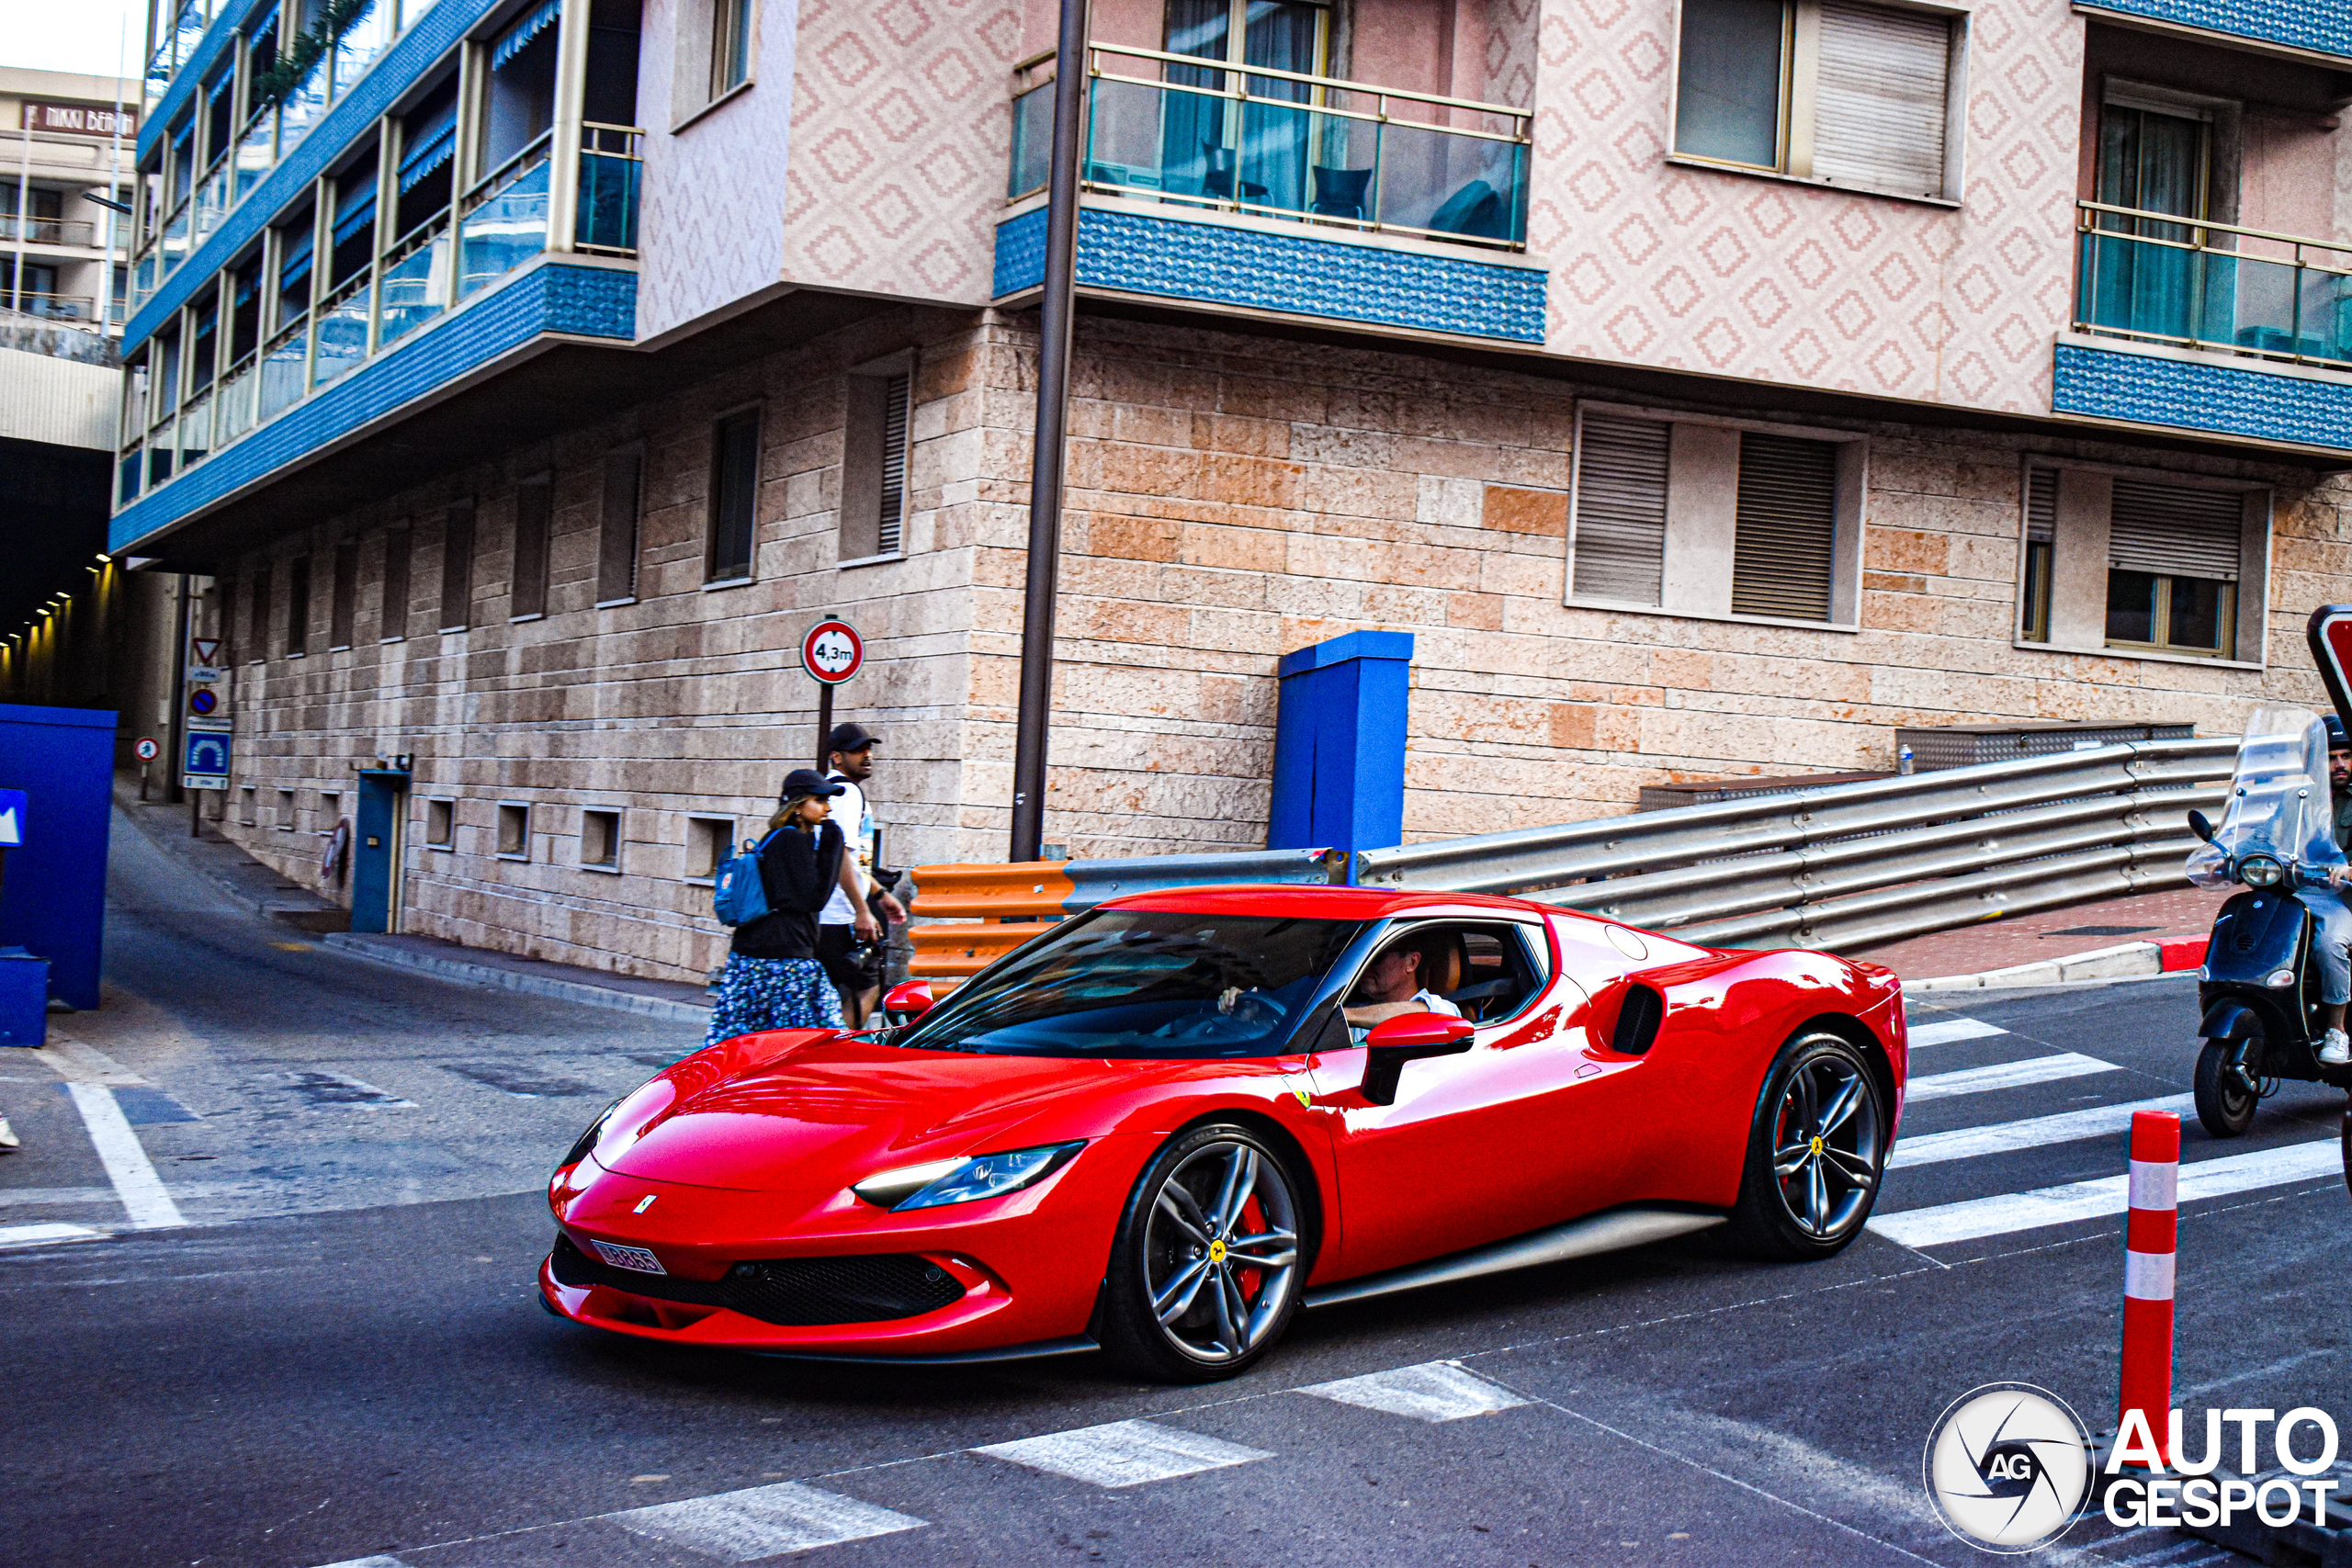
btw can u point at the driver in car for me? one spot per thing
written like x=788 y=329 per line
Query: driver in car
x=2334 y=944
x=1394 y=985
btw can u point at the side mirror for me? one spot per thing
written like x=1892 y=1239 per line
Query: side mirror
x=2199 y=825
x=910 y=999
x=1408 y=1037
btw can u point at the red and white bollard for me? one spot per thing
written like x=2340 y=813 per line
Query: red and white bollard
x=2148 y=1242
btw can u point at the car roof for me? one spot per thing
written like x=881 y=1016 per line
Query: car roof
x=1326 y=903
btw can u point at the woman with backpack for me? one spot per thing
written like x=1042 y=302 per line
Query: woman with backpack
x=773 y=979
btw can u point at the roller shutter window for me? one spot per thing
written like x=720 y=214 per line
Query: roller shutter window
x=1787 y=531
x=2040 y=547
x=1879 y=114
x=2172 y=531
x=890 y=524
x=1621 y=509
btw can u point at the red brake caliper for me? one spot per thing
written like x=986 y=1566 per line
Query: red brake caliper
x=1253 y=1223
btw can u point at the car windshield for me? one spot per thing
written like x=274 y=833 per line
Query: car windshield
x=2280 y=803
x=1146 y=983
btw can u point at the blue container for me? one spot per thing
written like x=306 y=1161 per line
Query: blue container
x=24 y=997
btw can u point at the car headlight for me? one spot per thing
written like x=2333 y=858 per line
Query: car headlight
x=944 y=1181
x=588 y=1140
x=2261 y=871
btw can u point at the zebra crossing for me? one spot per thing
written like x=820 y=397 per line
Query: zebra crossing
x=1974 y=1219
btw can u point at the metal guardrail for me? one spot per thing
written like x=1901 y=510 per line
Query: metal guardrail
x=1852 y=866
x=966 y=917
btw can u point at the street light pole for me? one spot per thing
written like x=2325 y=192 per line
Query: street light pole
x=1056 y=313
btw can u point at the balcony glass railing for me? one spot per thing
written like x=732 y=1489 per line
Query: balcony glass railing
x=343 y=330
x=612 y=167
x=50 y=307
x=195 y=430
x=416 y=281
x=505 y=222
x=233 y=403
x=213 y=197
x=285 y=369
x=143 y=275
x=257 y=154
x=174 y=249
x=47 y=230
x=1172 y=129
x=2160 y=277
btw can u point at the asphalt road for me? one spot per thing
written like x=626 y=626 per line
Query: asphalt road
x=338 y=1357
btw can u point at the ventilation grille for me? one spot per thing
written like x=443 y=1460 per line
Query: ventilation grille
x=891 y=533
x=2041 y=506
x=789 y=1291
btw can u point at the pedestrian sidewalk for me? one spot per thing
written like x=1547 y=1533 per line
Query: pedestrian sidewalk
x=256 y=887
x=2145 y=933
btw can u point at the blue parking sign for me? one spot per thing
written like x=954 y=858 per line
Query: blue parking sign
x=205 y=761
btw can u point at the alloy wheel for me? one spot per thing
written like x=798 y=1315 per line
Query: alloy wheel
x=1825 y=1145
x=1221 y=1251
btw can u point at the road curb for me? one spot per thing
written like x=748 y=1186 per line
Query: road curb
x=2126 y=961
x=495 y=978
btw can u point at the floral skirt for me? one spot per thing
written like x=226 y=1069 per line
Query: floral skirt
x=772 y=993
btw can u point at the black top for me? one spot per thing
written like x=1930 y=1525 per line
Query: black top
x=799 y=871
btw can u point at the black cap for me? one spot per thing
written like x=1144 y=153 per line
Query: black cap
x=2336 y=739
x=850 y=738
x=808 y=780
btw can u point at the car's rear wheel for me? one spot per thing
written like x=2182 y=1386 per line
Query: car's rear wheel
x=1816 y=1152
x=1210 y=1256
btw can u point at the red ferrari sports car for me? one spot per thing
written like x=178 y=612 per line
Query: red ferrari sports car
x=1163 y=1127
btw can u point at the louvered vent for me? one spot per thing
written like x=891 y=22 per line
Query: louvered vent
x=1621 y=508
x=2041 y=506
x=887 y=536
x=1787 y=527
x=1879 y=123
x=2175 y=531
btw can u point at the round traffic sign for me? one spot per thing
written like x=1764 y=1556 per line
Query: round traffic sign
x=833 y=652
x=202 y=701
x=146 y=750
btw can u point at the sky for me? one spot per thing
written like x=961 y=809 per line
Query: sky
x=71 y=35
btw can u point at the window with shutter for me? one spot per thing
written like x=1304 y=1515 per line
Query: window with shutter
x=2041 y=532
x=1621 y=508
x=2172 y=531
x=1879 y=111
x=1785 y=550
x=891 y=517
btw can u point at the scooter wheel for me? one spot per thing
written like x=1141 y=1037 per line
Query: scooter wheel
x=2223 y=1103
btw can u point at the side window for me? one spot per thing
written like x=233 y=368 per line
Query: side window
x=1486 y=971
x=1502 y=971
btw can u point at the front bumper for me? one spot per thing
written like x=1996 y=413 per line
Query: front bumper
x=968 y=1282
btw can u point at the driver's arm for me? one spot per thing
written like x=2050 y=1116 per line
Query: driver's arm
x=1379 y=1012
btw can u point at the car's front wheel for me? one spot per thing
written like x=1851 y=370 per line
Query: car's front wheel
x=1209 y=1259
x=1816 y=1152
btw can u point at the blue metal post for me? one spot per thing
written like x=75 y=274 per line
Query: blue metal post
x=1339 y=744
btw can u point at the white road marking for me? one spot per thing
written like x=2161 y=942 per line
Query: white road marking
x=78 y=1062
x=762 y=1521
x=2106 y=1195
x=2004 y=1137
x=1944 y=1031
x=1435 y=1391
x=46 y=1234
x=1123 y=1454
x=135 y=1181
x=2005 y=1075
x=369 y=1562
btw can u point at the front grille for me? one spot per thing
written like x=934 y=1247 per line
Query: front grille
x=792 y=1292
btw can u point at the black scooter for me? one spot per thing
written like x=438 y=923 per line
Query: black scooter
x=2259 y=995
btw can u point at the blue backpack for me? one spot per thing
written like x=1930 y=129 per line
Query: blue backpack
x=737 y=892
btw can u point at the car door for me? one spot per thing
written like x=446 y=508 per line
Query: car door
x=1482 y=1145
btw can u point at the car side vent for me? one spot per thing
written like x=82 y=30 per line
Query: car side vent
x=1638 y=1017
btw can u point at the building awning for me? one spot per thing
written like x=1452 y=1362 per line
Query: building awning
x=295 y=265
x=355 y=216
x=430 y=146
x=519 y=36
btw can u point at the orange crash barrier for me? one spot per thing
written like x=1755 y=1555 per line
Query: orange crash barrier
x=982 y=912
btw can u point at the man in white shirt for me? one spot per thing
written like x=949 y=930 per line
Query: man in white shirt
x=850 y=750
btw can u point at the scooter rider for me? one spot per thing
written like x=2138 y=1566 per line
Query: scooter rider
x=2334 y=944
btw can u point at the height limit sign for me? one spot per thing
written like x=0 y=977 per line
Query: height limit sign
x=831 y=653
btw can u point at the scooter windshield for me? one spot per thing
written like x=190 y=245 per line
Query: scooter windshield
x=2280 y=801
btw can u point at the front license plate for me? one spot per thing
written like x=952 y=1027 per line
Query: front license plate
x=632 y=1258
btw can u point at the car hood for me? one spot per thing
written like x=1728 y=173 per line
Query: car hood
x=837 y=1111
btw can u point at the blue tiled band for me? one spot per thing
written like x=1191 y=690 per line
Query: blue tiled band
x=2262 y=405
x=579 y=300
x=2322 y=26
x=395 y=72
x=1296 y=274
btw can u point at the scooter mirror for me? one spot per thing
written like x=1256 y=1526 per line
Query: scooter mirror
x=2199 y=825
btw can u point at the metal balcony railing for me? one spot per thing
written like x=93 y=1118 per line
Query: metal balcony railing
x=611 y=169
x=40 y=231
x=49 y=307
x=1280 y=144
x=2161 y=277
